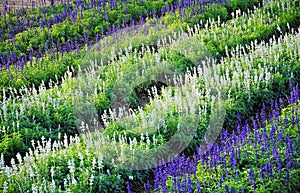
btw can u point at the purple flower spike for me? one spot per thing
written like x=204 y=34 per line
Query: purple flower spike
x=226 y=188
x=129 y=188
x=199 y=187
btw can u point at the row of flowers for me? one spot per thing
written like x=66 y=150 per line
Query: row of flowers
x=260 y=155
x=83 y=25
x=84 y=163
x=52 y=111
x=41 y=115
x=35 y=67
x=21 y=20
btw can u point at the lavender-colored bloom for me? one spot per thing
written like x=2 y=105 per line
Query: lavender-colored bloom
x=156 y=179
x=251 y=174
x=128 y=188
x=221 y=181
x=287 y=175
x=183 y=185
x=199 y=187
x=190 y=184
x=226 y=188
x=263 y=113
x=262 y=173
x=289 y=144
x=274 y=151
x=232 y=159
x=279 y=165
x=270 y=169
x=272 y=132
x=86 y=38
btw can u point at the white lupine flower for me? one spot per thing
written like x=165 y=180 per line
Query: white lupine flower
x=71 y=166
x=142 y=137
x=34 y=188
x=65 y=183
x=5 y=186
x=52 y=187
x=91 y=180
x=2 y=163
x=94 y=163
x=65 y=140
x=31 y=172
x=52 y=172
x=81 y=158
x=13 y=164
x=68 y=190
x=74 y=181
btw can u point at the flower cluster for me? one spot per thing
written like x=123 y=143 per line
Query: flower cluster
x=260 y=157
x=57 y=45
x=243 y=62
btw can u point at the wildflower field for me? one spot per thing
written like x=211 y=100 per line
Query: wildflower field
x=150 y=96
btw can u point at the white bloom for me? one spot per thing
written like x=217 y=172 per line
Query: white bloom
x=5 y=186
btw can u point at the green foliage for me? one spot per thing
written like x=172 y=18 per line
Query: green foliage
x=101 y=102
x=12 y=144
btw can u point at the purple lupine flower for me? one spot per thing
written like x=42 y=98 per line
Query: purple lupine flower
x=237 y=174
x=128 y=188
x=298 y=125
x=97 y=37
x=86 y=38
x=274 y=151
x=183 y=185
x=232 y=159
x=263 y=113
x=226 y=188
x=156 y=179
x=221 y=181
x=287 y=177
x=190 y=184
x=252 y=178
x=286 y=122
x=279 y=165
x=265 y=137
x=296 y=93
x=272 y=132
x=281 y=103
x=289 y=148
x=261 y=173
x=148 y=184
x=8 y=63
x=270 y=169
x=199 y=187
x=251 y=174
x=164 y=184
x=175 y=183
x=3 y=60
x=30 y=60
